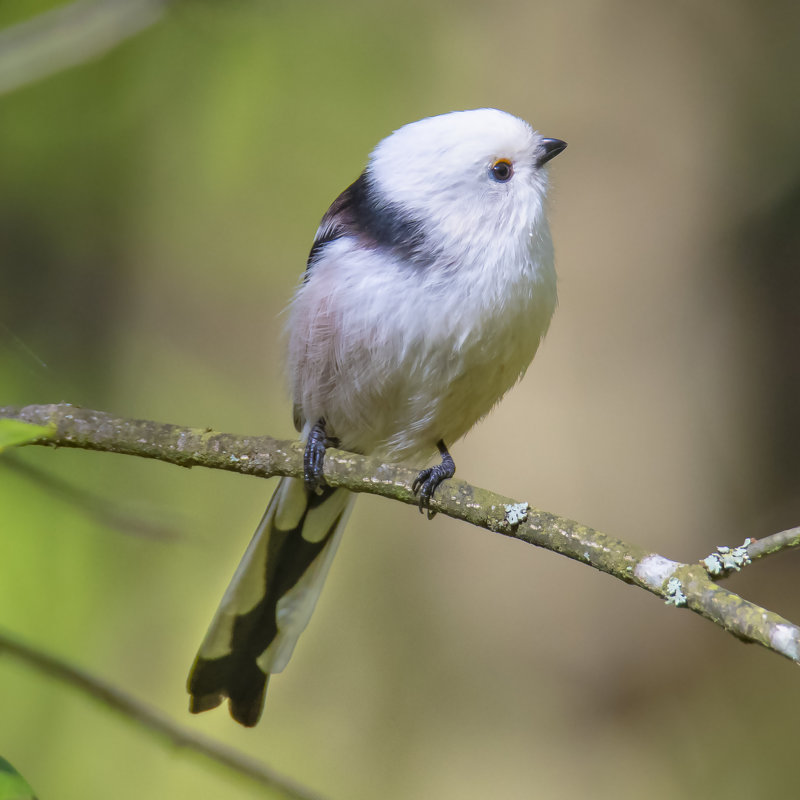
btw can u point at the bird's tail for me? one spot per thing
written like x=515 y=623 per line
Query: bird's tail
x=270 y=599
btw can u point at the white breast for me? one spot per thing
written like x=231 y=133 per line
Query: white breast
x=396 y=357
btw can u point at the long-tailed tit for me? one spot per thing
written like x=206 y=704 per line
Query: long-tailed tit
x=427 y=291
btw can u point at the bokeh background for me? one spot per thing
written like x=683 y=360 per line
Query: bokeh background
x=156 y=208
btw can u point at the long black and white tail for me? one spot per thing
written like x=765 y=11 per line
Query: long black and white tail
x=270 y=599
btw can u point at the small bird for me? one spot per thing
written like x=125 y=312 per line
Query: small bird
x=428 y=289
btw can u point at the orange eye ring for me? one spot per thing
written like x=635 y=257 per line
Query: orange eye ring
x=502 y=170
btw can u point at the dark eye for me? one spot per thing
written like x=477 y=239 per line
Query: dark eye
x=502 y=170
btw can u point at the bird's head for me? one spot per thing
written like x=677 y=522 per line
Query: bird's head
x=467 y=173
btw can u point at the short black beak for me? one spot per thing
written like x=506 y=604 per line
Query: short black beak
x=549 y=148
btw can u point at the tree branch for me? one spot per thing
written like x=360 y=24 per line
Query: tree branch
x=151 y=719
x=677 y=583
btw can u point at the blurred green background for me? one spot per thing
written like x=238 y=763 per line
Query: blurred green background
x=156 y=209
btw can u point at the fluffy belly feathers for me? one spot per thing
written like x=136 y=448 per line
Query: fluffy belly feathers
x=393 y=378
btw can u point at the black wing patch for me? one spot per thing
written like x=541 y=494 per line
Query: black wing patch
x=334 y=224
x=359 y=212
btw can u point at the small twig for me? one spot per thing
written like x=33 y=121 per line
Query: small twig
x=676 y=583
x=776 y=543
x=150 y=718
x=70 y=35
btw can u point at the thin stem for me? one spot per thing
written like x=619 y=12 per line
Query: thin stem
x=150 y=718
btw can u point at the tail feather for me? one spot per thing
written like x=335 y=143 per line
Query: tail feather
x=269 y=600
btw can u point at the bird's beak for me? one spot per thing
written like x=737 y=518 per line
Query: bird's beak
x=549 y=148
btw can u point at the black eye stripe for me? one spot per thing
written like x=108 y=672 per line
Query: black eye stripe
x=501 y=170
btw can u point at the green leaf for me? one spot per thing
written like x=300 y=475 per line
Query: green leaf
x=12 y=785
x=14 y=432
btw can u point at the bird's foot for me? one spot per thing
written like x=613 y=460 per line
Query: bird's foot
x=426 y=483
x=314 y=456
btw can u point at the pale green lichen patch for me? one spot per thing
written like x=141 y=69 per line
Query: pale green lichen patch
x=674 y=593
x=516 y=513
x=727 y=559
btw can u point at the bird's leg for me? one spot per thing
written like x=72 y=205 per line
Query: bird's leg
x=318 y=440
x=428 y=479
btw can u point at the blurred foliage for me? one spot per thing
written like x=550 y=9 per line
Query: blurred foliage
x=12 y=785
x=14 y=433
x=156 y=210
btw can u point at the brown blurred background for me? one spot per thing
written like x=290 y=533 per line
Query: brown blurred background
x=156 y=209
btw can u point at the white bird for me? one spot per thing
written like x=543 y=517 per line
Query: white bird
x=428 y=289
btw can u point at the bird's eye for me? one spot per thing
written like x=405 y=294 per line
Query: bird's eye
x=502 y=170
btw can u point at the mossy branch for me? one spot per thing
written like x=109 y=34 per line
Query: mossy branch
x=679 y=584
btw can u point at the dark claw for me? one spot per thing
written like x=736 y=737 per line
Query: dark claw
x=314 y=456
x=426 y=483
